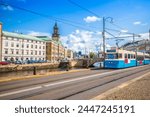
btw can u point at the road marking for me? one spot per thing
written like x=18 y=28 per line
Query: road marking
x=20 y=91
x=62 y=82
x=85 y=77
x=81 y=78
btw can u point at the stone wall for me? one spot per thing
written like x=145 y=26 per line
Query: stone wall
x=11 y=68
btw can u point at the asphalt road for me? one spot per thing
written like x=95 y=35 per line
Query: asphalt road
x=78 y=85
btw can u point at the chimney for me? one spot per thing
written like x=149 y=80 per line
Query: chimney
x=0 y=41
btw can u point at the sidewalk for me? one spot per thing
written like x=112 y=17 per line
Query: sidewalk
x=138 y=90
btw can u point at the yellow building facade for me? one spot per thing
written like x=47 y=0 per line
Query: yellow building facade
x=55 y=51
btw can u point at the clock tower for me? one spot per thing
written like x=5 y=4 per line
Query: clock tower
x=55 y=35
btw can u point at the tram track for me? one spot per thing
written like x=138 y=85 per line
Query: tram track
x=30 y=83
x=98 y=82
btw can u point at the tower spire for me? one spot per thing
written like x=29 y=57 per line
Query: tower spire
x=55 y=35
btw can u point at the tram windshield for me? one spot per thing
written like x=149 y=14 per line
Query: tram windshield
x=112 y=56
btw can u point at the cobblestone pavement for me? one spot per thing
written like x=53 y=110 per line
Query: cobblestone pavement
x=139 y=90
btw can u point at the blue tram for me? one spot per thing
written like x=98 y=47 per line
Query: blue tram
x=117 y=58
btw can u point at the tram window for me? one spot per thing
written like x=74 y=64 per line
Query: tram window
x=132 y=56
x=147 y=57
x=119 y=55
x=116 y=56
x=126 y=56
x=112 y=56
x=139 y=57
x=129 y=56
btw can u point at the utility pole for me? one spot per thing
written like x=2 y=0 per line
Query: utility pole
x=145 y=51
x=85 y=53
x=135 y=48
x=103 y=33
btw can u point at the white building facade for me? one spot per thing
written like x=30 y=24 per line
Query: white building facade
x=22 y=47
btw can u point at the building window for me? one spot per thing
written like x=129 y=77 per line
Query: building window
x=17 y=45
x=6 y=43
x=31 y=52
x=22 y=58
x=5 y=58
x=39 y=47
x=6 y=51
x=27 y=52
x=12 y=51
x=31 y=46
x=17 y=51
x=16 y=58
x=36 y=46
x=39 y=52
x=22 y=45
x=12 y=44
x=27 y=45
x=22 y=52
x=35 y=52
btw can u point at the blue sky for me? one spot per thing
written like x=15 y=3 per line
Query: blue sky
x=130 y=15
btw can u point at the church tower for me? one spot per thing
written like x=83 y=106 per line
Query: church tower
x=55 y=35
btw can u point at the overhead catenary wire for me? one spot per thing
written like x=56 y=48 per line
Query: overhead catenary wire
x=133 y=34
x=78 y=5
x=65 y=21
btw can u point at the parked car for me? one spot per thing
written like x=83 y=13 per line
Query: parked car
x=18 y=62
x=4 y=63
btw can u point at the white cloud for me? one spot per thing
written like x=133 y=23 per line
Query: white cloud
x=9 y=8
x=34 y=33
x=137 y=23
x=90 y=19
x=124 y=31
x=81 y=40
x=145 y=35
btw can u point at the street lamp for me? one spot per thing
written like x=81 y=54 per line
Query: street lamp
x=103 y=34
